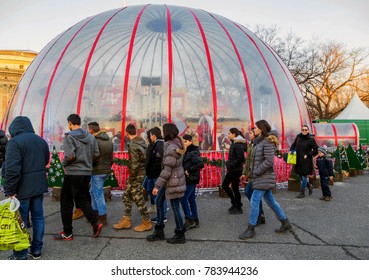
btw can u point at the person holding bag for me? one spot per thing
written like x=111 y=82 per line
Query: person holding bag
x=306 y=148
x=27 y=156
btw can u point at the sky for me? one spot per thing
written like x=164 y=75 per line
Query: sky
x=31 y=24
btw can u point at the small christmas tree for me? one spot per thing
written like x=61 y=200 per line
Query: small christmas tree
x=111 y=180
x=354 y=162
x=110 y=183
x=337 y=161
x=55 y=175
x=343 y=157
x=361 y=156
x=56 y=171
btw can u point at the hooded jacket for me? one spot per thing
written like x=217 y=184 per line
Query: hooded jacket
x=3 y=142
x=172 y=175
x=27 y=156
x=105 y=160
x=263 y=175
x=155 y=158
x=80 y=150
x=137 y=158
x=236 y=155
x=304 y=145
x=192 y=163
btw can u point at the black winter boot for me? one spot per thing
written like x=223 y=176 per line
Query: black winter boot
x=284 y=227
x=249 y=233
x=156 y=235
x=261 y=219
x=301 y=194
x=310 y=187
x=177 y=239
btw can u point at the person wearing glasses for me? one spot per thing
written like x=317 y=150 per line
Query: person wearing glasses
x=306 y=148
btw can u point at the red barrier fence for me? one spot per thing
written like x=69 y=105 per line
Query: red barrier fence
x=211 y=175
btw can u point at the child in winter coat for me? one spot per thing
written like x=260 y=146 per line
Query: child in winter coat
x=325 y=167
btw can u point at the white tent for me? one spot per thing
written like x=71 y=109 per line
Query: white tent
x=355 y=110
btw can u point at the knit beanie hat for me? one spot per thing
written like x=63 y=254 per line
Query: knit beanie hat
x=187 y=137
x=323 y=150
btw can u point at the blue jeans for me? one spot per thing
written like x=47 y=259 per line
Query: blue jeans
x=175 y=203
x=33 y=205
x=161 y=209
x=189 y=203
x=248 y=192
x=97 y=193
x=148 y=185
x=269 y=199
x=304 y=181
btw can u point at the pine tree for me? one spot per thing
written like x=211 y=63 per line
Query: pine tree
x=361 y=156
x=111 y=180
x=343 y=157
x=56 y=171
x=354 y=162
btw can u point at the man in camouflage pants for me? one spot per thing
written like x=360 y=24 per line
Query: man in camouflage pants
x=134 y=189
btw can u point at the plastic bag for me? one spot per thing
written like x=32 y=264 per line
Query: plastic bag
x=13 y=232
x=291 y=157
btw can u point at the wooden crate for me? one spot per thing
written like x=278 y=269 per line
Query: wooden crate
x=338 y=177
x=56 y=193
x=222 y=193
x=294 y=185
x=353 y=172
x=107 y=193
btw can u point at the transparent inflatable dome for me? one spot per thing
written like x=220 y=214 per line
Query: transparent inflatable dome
x=153 y=64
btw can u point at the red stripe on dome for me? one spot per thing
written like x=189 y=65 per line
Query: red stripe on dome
x=170 y=63
x=335 y=134
x=83 y=81
x=243 y=71
x=274 y=83
x=289 y=81
x=211 y=73
x=356 y=134
x=53 y=75
x=126 y=77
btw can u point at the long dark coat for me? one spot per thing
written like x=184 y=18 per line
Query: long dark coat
x=304 y=145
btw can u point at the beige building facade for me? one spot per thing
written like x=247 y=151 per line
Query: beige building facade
x=13 y=63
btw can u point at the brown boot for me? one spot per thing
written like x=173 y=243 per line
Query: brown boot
x=144 y=226
x=77 y=214
x=125 y=222
x=103 y=220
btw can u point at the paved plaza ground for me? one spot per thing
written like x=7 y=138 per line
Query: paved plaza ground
x=336 y=230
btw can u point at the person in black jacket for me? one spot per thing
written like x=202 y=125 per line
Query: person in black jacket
x=3 y=142
x=27 y=156
x=325 y=167
x=192 y=164
x=236 y=159
x=306 y=148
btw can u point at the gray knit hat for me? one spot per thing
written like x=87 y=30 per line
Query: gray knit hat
x=323 y=150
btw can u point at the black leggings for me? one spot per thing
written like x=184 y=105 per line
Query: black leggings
x=233 y=177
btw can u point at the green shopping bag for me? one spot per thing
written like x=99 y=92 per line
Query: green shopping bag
x=13 y=232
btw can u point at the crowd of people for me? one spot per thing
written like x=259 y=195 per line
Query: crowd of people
x=165 y=166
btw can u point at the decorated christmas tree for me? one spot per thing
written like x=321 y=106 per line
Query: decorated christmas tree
x=343 y=157
x=361 y=156
x=56 y=171
x=111 y=180
x=337 y=161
